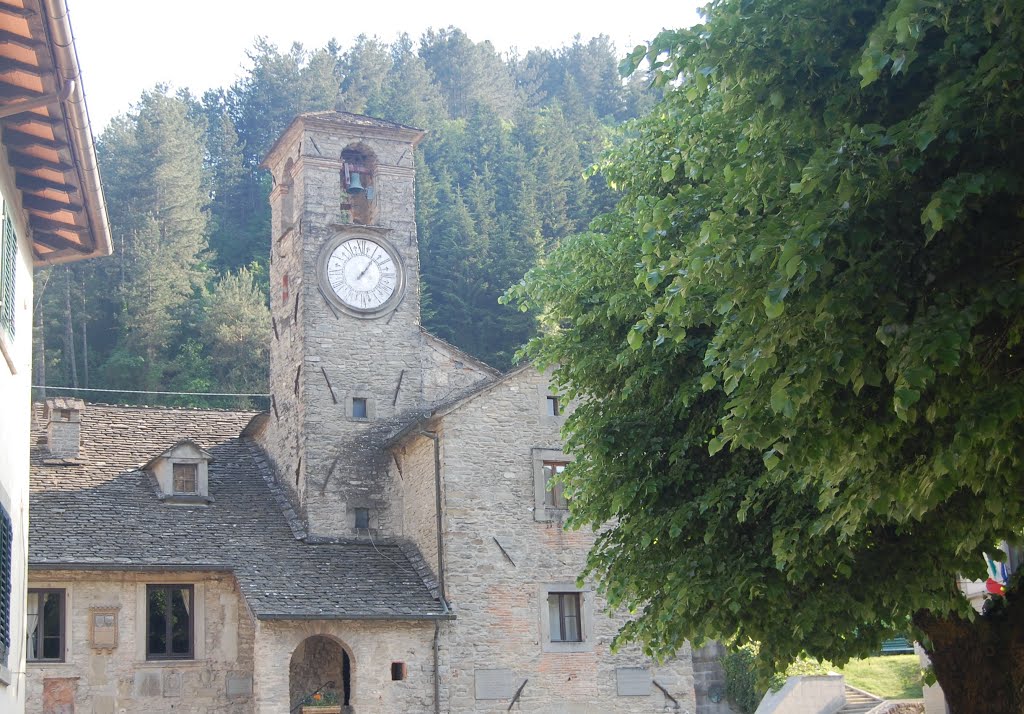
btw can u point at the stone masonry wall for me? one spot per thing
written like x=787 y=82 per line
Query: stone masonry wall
x=337 y=356
x=501 y=601
x=281 y=439
x=419 y=524
x=120 y=680
x=372 y=646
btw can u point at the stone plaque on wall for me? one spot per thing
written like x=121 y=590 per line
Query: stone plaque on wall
x=172 y=684
x=59 y=695
x=494 y=683
x=103 y=627
x=633 y=681
x=238 y=684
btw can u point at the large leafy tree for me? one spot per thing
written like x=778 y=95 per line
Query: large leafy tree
x=796 y=341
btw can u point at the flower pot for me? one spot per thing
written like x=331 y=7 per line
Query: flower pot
x=325 y=709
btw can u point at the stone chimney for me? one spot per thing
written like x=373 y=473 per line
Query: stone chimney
x=64 y=427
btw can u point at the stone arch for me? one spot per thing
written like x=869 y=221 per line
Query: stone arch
x=320 y=662
x=358 y=183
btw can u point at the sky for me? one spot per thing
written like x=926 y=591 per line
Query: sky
x=127 y=46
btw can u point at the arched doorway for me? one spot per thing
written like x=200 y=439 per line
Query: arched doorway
x=320 y=665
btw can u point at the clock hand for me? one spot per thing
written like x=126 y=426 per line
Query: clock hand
x=364 y=270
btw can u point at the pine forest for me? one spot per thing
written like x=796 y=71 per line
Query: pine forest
x=502 y=176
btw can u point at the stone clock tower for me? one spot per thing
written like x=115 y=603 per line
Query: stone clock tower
x=346 y=347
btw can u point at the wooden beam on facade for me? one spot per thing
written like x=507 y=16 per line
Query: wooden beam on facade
x=15 y=11
x=19 y=139
x=38 y=223
x=12 y=38
x=59 y=242
x=30 y=163
x=30 y=118
x=48 y=205
x=8 y=64
x=28 y=182
x=10 y=91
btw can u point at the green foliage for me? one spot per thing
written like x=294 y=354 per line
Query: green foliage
x=796 y=340
x=740 y=679
x=499 y=181
x=890 y=677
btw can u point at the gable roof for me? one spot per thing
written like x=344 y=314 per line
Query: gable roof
x=412 y=421
x=102 y=513
x=182 y=442
x=354 y=123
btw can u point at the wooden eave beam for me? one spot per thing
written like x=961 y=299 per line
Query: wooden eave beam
x=12 y=38
x=29 y=163
x=31 y=118
x=38 y=223
x=19 y=140
x=8 y=64
x=59 y=242
x=48 y=205
x=10 y=91
x=16 y=11
x=28 y=182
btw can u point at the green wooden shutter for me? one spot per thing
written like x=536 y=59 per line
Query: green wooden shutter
x=8 y=268
x=6 y=541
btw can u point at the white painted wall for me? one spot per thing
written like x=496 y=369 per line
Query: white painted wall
x=15 y=417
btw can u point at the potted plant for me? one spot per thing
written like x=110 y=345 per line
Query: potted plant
x=321 y=703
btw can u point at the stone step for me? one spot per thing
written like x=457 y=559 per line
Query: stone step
x=858 y=702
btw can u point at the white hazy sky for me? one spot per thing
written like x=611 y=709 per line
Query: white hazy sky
x=126 y=46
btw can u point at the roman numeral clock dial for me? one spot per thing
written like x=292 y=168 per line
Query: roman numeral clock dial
x=363 y=275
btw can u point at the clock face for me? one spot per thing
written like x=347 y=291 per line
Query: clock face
x=364 y=274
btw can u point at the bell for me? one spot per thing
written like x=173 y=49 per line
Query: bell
x=355 y=185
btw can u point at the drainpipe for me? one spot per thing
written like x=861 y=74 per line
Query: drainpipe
x=432 y=435
x=72 y=97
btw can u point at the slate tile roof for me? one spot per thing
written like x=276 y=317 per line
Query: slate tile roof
x=102 y=512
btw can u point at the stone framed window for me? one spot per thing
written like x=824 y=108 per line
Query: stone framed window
x=360 y=405
x=553 y=406
x=359 y=408
x=566 y=617
x=550 y=503
x=170 y=616
x=565 y=621
x=186 y=478
x=45 y=625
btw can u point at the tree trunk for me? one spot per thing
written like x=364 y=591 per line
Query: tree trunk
x=979 y=664
x=69 y=331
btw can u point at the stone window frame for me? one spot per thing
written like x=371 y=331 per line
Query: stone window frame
x=586 y=596
x=62 y=635
x=545 y=392
x=541 y=510
x=138 y=634
x=371 y=404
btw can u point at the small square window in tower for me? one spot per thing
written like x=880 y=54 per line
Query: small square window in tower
x=554 y=408
x=358 y=166
x=363 y=518
x=359 y=408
